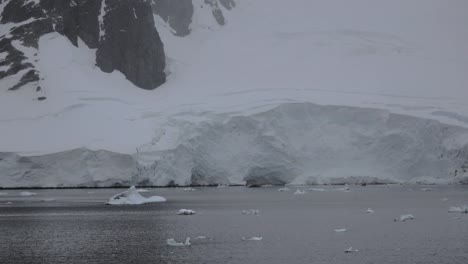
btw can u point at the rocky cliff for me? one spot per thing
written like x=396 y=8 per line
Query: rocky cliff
x=121 y=31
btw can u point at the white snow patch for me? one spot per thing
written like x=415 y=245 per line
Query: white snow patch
x=131 y=196
x=101 y=17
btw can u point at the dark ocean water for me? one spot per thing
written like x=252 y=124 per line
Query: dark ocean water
x=76 y=227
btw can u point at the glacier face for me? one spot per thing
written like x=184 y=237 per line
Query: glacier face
x=298 y=143
x=305 y=143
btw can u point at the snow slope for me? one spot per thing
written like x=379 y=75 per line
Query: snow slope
x=407 y=57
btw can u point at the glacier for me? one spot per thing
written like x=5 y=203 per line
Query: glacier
x=293 y=143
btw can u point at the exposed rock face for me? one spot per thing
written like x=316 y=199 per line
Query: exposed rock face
x=177 y=13
x=217 y=12
x=122 y=31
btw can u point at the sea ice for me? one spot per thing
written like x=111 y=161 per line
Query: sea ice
x=299 y=191
x=26 y=193
x=173 y=243
x=186 y=212
x=131 y=196
x=459 y=209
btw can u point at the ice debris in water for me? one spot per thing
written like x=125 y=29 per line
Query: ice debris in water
x=189 y=189
x=350 y=250
x=317 y=189
x=426 y=189
x=3 y=193
x=131 y=196
x=186 y=212
x=253 y=239
x=27 y=193
x=251 y=212
x=284 y=189
x=405 y=217
x=299 y=192
x=173 y=243
x=341 y=230
x=459 y=209
x=369 y=211
x=142 y=190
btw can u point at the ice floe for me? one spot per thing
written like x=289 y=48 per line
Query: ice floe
x=251 y=212
x=26 y=193
x=186 y=212
x=405 y=217
x=173 y=243
x=341 y=230
x=299 y=191
x=459 y=209
x=350 y=250
x=253 y=238
x=369 y=211
x=131 y=196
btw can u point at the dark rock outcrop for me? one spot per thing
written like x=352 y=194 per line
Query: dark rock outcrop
x=130 y=44
x=177 y=13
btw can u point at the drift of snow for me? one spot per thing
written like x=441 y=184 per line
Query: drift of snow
x=26 y=193
x=405 y=217
x=131 y=196
x=173 y=243
x=186 y=212
x=299 y=192
x=459 y=209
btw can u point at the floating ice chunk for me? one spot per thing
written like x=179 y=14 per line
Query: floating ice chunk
x=200 y=237
x=459 y=209
x=142 y=190
x=27 y=193
x=3 y=193
x=173 y=243
x=344 y=189
x=350 y=250
x=186 y=212
x=253 y=239
x=299 y=191
x=284 y=189
x=317 y=189
x=341 y=230
x=426 y=189
x=369 y=211
x=190 y=189
x=405 y=217
x=131 y=196
x=251 y=212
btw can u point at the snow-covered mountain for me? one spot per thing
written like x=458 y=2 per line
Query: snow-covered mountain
x=269 y=91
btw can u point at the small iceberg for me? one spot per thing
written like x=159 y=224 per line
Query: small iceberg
x=251 y=212
x=27 y=193
x=299 y=192
x=189 y=189
x=369 y=211
x=171 y=242
x=253 y=239
x=186 y=212
x=459 y=209
x=350 y=250
x=132 y=196
x=341 y=230
x=317 y=190
x=405 y=217
x=284 y=189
